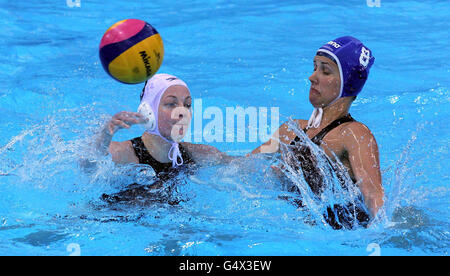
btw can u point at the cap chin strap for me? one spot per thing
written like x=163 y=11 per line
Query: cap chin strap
x=317 y=114
x=174 y=153
x=316 y=118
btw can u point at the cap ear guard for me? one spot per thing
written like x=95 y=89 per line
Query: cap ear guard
x=355 y=81
x=145 y=110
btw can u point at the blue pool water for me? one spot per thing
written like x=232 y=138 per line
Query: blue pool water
x=54 y=95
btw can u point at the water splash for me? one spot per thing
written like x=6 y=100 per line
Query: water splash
x=328 y=185
x=44 y=158
x=220 y=204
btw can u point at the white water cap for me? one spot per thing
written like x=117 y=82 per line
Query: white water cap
x=150 y=98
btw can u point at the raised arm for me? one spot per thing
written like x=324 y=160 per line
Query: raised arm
x=120 y=120
x=363 y=155
x=121 y=152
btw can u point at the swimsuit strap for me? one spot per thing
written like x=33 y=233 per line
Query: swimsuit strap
x=146 y=158
x=319 y=136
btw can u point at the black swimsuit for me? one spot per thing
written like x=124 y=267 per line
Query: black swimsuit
x=144 y=194
x=161 y=169
x=308 y=164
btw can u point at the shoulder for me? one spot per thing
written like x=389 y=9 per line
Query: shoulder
x=123 y=152
x=356 y=132
x=120 y=147
x=355 y=127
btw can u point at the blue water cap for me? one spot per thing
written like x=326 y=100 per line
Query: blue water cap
x=354 y=61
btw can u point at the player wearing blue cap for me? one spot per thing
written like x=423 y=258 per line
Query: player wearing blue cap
x=341 y=68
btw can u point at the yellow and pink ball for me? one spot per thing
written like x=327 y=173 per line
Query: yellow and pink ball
x=131 y=51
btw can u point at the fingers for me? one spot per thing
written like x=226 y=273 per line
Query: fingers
x=136 y=118
x=111 y=129
x=133 y=114
x=119 y=123
x=126 y=119
x=141 y=118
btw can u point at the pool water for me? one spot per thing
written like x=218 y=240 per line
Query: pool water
x=54 y=96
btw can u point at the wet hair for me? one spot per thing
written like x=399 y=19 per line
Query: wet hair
x=322 y=54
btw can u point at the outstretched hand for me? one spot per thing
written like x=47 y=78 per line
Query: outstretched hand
x=125 y=119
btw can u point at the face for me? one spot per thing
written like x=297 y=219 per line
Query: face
x=325 y=82
x=174 y=113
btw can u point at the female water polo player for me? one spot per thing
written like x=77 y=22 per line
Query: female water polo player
x=341 y=68
x=165 y=111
